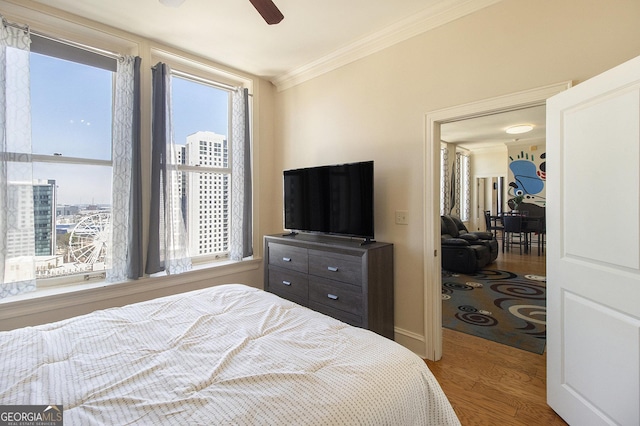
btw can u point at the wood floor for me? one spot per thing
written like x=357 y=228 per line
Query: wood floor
x=493 y=384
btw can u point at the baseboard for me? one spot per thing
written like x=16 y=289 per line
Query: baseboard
x=413 y=341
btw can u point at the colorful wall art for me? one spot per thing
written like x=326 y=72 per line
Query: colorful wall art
x=527 y=173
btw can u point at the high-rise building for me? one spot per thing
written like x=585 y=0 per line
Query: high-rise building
x=207 y=201
x=67 y=210
x=44 y=217
x=181 y=151
x=20 y=241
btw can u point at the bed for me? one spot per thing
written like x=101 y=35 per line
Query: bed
x=229 y=354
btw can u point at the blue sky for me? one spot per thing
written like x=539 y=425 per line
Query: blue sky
x=198 y=107
x=71 y=115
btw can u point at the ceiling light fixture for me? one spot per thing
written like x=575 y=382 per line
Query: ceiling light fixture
x=172 y=3
x=520 y=128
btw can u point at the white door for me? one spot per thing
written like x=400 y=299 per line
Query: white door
x=593 y=256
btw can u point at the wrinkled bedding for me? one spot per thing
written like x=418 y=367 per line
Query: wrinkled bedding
x=229 y=354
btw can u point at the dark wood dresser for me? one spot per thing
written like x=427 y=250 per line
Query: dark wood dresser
x=338 y=277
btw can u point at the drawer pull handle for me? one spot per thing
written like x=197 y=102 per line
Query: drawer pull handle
x=332 y=268
x=332 y=296
x=286 y=259
x=286 y=282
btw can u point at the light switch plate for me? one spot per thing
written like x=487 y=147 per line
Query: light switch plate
x=402 y=217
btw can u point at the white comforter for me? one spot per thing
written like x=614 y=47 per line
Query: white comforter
x=231 y=355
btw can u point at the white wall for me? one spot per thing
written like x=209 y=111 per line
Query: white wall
x=375 y=108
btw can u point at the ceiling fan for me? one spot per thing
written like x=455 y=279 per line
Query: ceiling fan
x=269 y=11
x=266 y=8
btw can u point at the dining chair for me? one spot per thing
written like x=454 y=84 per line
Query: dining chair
x=512 y=230
x=536 y=226
x=492 y=226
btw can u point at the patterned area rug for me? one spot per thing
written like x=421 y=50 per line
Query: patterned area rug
x=497 y=305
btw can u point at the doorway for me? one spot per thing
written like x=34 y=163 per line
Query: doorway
x=432 y=263
x=490 y=190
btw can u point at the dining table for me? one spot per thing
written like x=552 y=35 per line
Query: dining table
x=530 y=224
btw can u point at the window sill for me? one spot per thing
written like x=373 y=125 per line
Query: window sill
x=62 y=297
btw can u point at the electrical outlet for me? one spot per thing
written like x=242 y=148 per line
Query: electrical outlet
x=402 y=217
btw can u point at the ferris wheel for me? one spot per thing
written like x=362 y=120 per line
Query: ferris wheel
x=89 y=238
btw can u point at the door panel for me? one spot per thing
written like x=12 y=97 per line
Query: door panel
x=584 y=368
x=611 y=174
x=593 y=256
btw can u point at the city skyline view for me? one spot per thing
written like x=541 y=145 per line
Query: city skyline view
x=66 y=215
x=71 y=116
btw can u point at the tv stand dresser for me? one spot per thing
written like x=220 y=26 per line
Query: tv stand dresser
x=336 y=276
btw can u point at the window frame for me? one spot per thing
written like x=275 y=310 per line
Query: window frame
x=199 y=71
x=96 y=57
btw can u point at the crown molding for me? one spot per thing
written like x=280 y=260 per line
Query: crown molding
x=435 y=16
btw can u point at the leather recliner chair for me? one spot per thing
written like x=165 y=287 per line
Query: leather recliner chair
x=485 y=238
x=461 y=254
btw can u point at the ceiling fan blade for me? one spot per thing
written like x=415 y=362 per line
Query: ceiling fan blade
x=268 y=10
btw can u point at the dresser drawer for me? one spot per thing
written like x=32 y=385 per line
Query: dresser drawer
x=336 y=295
x=351 y=319
x=289 y=284
x=289 y=257
x=337 y=267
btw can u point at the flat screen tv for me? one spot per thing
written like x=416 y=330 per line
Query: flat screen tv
x=335 y=199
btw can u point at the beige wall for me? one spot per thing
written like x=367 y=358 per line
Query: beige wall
x=490 y=162
x=487 y=163
x=375 y=108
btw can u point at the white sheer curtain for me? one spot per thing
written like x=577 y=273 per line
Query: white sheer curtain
x=17 y=245
x=168 y=248
x=122 y=143
x=444 y=181
x=240 y=244
x=465 y=186
x=455 y=186
x=177 y=257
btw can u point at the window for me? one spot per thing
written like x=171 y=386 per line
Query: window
x=201 y=132
x=71 y=116
x=69 y=195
